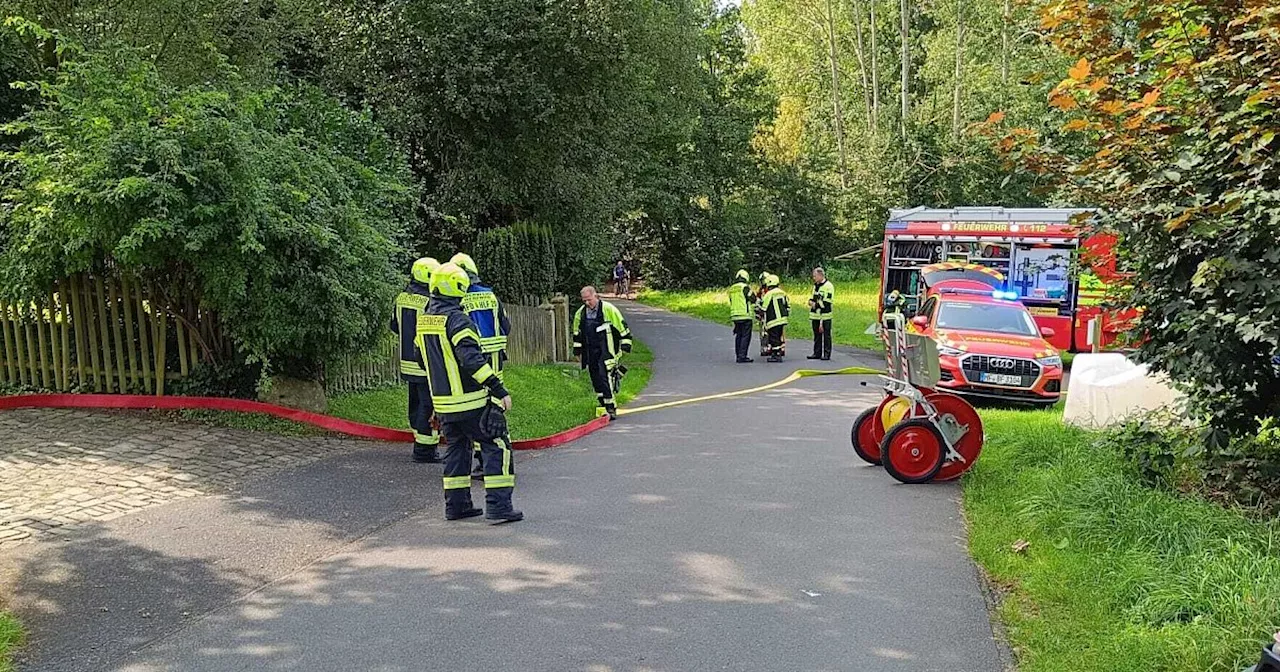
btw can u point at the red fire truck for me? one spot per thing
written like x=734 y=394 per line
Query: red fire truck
x=1038 y=250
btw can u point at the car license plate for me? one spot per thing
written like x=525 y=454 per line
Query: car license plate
x=1001 y=379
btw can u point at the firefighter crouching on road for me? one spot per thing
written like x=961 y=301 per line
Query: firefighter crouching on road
x=777 y=310
x=410 y=305
x=741 y=303
x=487 y=313
x=600 y=337
x=821 y=307
x=469 y=400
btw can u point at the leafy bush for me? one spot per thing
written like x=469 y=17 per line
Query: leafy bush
x=1166 y=451
x=283 y=211
x=1173 y=140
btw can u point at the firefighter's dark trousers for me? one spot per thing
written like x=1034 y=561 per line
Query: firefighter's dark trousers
x=424 y=436
x=601 y=378
x=821 y=341
x=461 y=432
x=776 y=347
x=742 y=330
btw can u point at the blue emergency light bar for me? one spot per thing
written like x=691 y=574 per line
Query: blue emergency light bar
x=996 y=294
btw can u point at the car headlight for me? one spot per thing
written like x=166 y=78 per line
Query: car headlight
x=1055 y=360
x=948 y=351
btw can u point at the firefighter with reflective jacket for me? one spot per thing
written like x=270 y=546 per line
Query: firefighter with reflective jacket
x=777 y=310
x=741 y=306
x=410 y=304
x=487 y=313
x=469 y=400
x=761 y=289
x=821 y=307
x=600 y=338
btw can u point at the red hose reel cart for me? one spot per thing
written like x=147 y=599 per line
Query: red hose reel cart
x=917 y=433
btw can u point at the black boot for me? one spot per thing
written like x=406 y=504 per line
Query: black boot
x=612 y=411
x=814 y=357
x=457 y=505
x=423 y=453
x=498 y=508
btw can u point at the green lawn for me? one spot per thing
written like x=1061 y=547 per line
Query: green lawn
x=10 y=638
x=547 y=399
x=856 y=308
x=1118 y=577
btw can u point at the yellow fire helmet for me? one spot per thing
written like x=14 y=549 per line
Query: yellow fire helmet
x=423 y=268
x=743 y=276
x=450 y=280
x=465 y=262
x=772 y=281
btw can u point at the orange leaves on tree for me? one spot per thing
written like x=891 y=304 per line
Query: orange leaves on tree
x=1081 y=70
x=995 y=118
x=1113 y=107
x=1098 y=85
x=1076 y=125
x=1063 y=102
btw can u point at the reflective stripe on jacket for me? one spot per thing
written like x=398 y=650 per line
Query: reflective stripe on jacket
x=458 y=372
x=824 y=296
x=492 y=325
x=739 y=301
x=410 y=304
x=614 y=331
x=777 y=308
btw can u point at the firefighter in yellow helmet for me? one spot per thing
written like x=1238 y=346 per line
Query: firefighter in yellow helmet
x=409 y=306
x=777 y=311
x=741 y=302
x=469 y=400
x=490 y=318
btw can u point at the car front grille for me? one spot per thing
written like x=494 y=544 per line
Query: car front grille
x=976 y=365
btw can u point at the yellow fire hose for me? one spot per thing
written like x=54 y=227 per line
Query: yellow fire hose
x=802 y=373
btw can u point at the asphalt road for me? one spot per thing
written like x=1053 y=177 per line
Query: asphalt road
x=736 y=534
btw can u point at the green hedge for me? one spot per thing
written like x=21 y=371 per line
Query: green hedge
x=518 y=261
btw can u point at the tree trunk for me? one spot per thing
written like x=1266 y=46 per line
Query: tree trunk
x=862 y=65
x=1004 y=50
x=959 y=73
x=875 y=68
x=906 y=66
x=837 y=108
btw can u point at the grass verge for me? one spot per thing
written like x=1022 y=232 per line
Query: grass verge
x=1117 y=576
x=856 y=308
x=548 y=398
x=11 y=636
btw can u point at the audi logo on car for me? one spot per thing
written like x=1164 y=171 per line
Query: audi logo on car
x=1003 y=363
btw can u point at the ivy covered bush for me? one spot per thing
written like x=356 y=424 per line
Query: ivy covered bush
x=284 y=211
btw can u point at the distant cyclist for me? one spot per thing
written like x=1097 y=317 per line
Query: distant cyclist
x=621 y=285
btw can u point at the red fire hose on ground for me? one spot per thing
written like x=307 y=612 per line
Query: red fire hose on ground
x=327 y=422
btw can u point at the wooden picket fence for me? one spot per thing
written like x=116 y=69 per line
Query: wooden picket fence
x=367 y=371
x=105 y=333
x=538 y=336
x=111 y=334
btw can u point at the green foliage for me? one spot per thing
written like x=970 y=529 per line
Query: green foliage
x=11 y=635
x=722 y=202
x=516 y=110
x=836 y=68
x=280 y=209
x=1172 y=139
x=1117 y=575
x=518 y=261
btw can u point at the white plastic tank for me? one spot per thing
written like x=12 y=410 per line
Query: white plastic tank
x=1107 y=389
